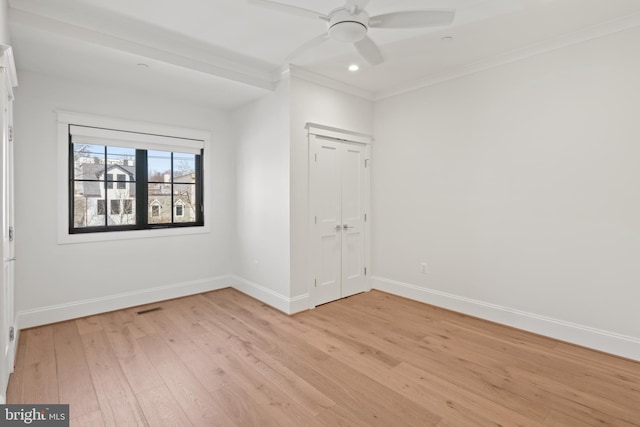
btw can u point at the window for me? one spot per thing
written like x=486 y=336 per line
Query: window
x=149 y=171
x=115 y=207
x=180 y=210
x=122 y=182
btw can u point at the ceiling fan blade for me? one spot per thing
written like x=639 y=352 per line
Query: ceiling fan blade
x=359 y=4
x=413 y=19
x=369 y=51
x=295 y=10
x=316 y=41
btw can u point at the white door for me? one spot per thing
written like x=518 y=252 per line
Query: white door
x=7 y=338
x=337 y=194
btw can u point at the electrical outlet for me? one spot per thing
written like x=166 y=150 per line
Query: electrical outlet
x=423 y=267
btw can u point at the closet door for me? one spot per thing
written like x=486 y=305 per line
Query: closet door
x=7 y=318
x=7 y=333
x=337 y=202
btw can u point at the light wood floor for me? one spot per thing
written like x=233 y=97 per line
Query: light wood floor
x=223 y=358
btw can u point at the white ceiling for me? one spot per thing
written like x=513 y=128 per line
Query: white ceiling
x=224 y=53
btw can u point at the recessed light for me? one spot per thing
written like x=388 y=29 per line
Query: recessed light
x=143 y=65
x=446 y=39
x=354 y=67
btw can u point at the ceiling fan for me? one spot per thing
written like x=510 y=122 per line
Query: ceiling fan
x=351 y=22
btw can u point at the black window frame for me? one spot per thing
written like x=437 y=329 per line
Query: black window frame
x=141 y=199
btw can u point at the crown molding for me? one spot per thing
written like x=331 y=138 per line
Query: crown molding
x=569 y=39
x=310 y=76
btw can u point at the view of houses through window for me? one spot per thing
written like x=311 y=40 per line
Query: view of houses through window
x=108 y=193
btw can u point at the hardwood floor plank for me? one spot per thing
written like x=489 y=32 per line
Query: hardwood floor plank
x=117 y=401
x=40 y=374
x=74 y=379
x=88 y=325
x=134 y=363
x=247 y=372
x=161 y=408
x=454 y=403
x=191 y=395
x=93 y=419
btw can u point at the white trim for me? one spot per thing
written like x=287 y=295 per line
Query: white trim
x=73 y=310
x=270 y=297
x=8 y=62
x=594 y=32
x=337 y=133
x=147 y=41
x=65 y=118
x=106 y=122
x=303 y=74
x=609 y=342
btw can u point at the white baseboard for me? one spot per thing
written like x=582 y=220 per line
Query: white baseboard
x=72 y=310
x=586 y=336
x=281 y=302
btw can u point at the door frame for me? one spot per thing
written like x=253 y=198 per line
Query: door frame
x=349 y=136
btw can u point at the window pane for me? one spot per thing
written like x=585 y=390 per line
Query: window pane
x=185 y=196
x=184 y=167
x=159 y=166
x=121 y=211
x=86 y=206
x=159 y=207
x=88 y=161
x=123 y=158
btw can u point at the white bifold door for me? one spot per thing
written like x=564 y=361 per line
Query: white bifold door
x=337 y=175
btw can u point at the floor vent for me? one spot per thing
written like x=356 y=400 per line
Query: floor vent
x=149 y=310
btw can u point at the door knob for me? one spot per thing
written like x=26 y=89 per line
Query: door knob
x=347 y=226
x=338 y=227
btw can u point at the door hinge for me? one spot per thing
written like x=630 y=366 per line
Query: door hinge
x=315 y=219
x=366 y=163
x=315 y=157
x=315 y=283
x=10 y=133
x=365 y=271
x=11 y=233
x=365 y=217
x=12 y=334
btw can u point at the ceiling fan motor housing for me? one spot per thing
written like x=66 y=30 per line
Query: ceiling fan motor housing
x=348 y=27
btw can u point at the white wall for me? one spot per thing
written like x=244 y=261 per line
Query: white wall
x=519 y=186
x=56 y=281
x=311 y=102
x=4 y=27
x=261 y=234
